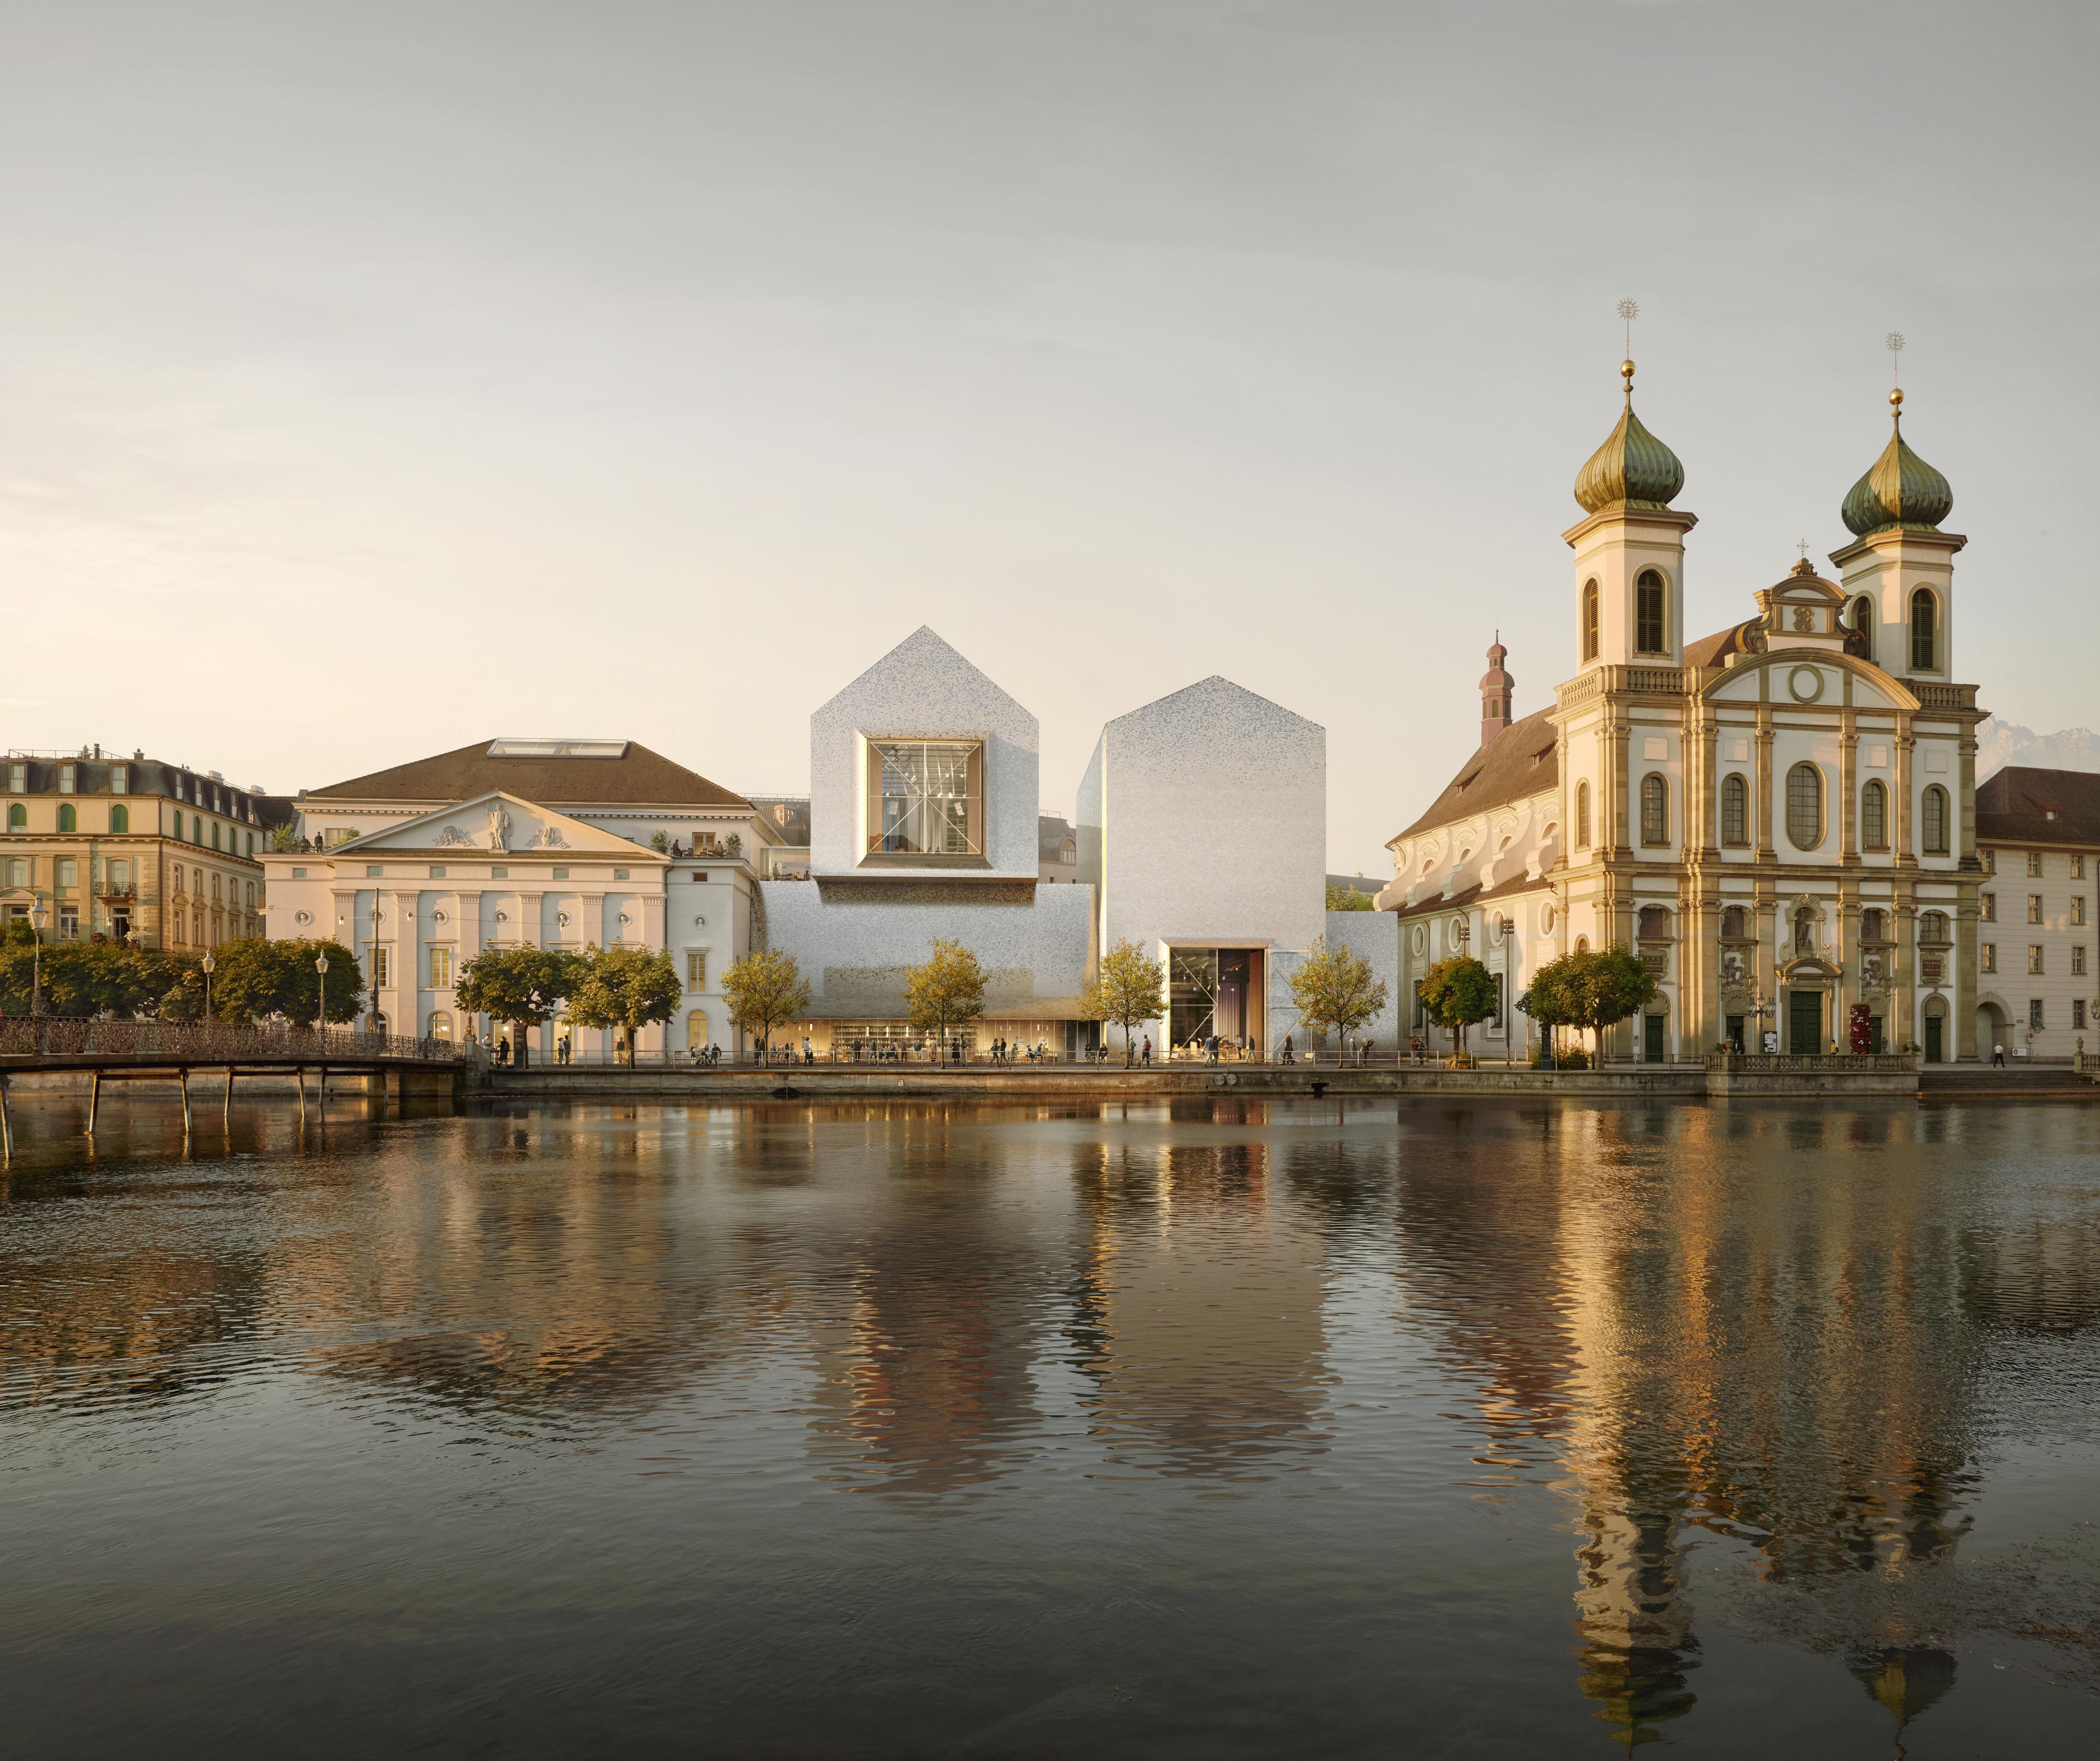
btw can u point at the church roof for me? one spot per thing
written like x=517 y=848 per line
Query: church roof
x=1711 y=650
x=2023 y=804
x=594 y=772
x=1522 y=761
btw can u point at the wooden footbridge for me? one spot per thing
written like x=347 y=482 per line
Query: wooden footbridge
x=138 y=1051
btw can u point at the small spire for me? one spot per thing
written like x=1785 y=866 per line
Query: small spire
x=1629 y=310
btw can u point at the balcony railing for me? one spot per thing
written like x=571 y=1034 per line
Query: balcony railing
x=1932 y=696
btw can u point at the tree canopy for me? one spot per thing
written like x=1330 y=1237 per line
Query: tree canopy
x=1455 y=993
x=523 y=986
x=624 y=987
x=1335 y=988
x=1348 y=899
x=99 y=977
x=1591 y=988
x=1126 y=989
x=947 y=990
x=256 y=979
x=764 y=991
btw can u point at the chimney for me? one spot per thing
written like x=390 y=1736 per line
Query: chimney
x=1496 y=687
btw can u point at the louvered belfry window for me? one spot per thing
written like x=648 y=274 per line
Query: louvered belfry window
x=926 y=798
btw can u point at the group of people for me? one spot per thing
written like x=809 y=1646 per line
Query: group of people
x=1004 y=1051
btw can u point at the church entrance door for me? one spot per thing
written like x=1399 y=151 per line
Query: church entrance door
x=1652 y=1039
x=1804 y=1023
x=1935 y=1041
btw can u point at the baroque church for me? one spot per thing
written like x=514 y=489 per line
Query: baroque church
x=1779 y=818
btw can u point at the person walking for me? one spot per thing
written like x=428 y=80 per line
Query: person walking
x=1146 y=1056
x=1290 y=1051
x=1998 y=1054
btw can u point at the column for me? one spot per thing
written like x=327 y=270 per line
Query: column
x=1767 y=851
x=1906 y=745
x=1848 y=787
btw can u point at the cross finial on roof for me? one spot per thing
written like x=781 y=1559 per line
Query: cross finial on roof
x=1802 y=547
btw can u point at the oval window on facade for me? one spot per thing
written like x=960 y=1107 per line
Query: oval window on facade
x=1804 y=806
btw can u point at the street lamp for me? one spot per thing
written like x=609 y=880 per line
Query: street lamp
x=320 y=966
x=375 y=962
x=209 y=964
x=39 y=917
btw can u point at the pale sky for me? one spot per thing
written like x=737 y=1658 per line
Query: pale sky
x=378 y=378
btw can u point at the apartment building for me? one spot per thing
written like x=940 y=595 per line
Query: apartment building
x=2038 y=835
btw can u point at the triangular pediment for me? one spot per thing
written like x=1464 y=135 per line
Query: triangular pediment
x=497 y=824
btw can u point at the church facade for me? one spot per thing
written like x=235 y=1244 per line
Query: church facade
x=1779 y=818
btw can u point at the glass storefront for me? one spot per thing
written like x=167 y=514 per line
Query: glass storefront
x=1214 y=990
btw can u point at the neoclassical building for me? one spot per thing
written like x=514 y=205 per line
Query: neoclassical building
x=1779 y=817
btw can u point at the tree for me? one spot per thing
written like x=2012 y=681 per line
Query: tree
x=523 y=986
x=764 y=991
x=1335 y=988
x=946 y=990
x=99 y=977
x=1126 y=989
x=1455 y=993
x=626 y=988
x=257 y=978
x=1348 y=899
x=1591 y=988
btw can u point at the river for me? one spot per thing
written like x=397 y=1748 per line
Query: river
x=918 y=1429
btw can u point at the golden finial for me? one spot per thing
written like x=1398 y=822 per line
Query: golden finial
x=1893 y=343
x=1629 y=311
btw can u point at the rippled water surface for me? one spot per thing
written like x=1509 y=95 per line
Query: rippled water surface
x=921 y=1430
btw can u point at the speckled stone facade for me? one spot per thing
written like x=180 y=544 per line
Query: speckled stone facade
x=1202 y=822
x=922 y=689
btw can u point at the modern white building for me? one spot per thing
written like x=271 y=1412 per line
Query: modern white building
x=522 y=841
x=924 y=785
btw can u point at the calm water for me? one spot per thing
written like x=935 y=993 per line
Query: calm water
x=928 y=1430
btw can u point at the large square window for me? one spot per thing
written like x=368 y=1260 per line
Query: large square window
x=925 y=799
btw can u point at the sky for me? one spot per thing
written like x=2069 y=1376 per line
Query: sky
x=377 y=379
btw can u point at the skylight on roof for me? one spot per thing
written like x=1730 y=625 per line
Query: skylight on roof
x=557 y=749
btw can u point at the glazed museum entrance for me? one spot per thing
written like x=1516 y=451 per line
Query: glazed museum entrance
x=1216 y=991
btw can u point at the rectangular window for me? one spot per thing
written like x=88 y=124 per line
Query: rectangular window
x=2078 y=1014
x=120 y=874
x=2034 y=862
x=926 y=798
x=119 y=779
x=2034 y=907
x=696 y=968
x=2078 y=907
x=437 y=874
x=65 y=779
x=298 y=874
x=441 y=968
x=1989 y=902
x=68 y=923
x=499 y=874
x=2035 y=1022
x=1988 y=954
x=619 y=874
x=379 y=973
x=2078 y=959
x=68 y=867
x=340 y=835
x=2034 y=958
x=374 y=872
x=18 y=779
x=561 y=874
x=2078 y=867
x=1990 y=862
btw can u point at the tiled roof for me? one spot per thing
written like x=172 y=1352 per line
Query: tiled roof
x=2016 y=805
x=637 y=775
x=1475 y=894
x=1522 y=761
x=1050 y=832
x=1711 y=650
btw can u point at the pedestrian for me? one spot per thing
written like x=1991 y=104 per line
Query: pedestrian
x=1146 y=1056
x=1290 y=1051
x=1998 y=1054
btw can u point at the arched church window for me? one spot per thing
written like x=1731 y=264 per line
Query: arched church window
x=1655 y=808
x=1581 y=944
x=1732 y=925
x=1591 y=639
x=1581 y=816
x=1874 y=817
x=1873 y=924
x=1650 y=636
x=1934 y=821
x=1804 y=806
x=1734 y=808
x=1924 y=631
x=1654 y=924
x=1860 y=621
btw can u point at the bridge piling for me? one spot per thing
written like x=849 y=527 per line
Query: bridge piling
x=6 y=1129
x=94 y=1100
x=227 y=1115
x=183 y=1076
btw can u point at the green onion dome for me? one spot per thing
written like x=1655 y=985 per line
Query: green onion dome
x=1632 y=468
x=1901 y=492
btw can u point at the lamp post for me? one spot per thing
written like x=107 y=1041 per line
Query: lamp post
x=208 y=964
x=39 y=917
x=320 y=966
x=375 y=960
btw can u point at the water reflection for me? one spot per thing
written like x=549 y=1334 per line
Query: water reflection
x=1733 y=1369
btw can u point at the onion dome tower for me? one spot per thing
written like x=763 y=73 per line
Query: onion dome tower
x=1629 y=546
x=1497 y=688
x=1898 y=569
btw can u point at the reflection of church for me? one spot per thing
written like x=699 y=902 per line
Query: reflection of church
x=1779 y=818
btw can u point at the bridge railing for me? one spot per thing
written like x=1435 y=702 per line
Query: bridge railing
x=208 y=1042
